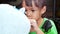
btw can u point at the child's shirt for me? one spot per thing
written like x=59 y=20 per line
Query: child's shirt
x=52 y=30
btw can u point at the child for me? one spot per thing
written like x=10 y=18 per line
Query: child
x=34 y=11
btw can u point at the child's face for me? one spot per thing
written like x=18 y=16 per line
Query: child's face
x=32 y=12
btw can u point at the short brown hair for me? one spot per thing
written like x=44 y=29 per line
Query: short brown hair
x=38 y=3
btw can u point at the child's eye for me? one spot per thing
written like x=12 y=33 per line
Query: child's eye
x=33 y=10
x=25 y=10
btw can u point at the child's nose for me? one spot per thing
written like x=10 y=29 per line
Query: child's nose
x=28 y=14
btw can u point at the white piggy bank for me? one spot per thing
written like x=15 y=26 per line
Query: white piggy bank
x=13 y=21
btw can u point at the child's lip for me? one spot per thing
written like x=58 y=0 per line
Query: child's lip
x=30 y=17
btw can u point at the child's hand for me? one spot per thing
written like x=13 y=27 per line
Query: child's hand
x=34 y=24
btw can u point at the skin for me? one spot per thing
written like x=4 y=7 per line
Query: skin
x=34 y=14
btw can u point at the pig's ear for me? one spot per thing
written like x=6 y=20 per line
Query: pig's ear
x=22 y=10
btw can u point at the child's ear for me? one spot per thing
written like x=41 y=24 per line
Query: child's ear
x=43 y=10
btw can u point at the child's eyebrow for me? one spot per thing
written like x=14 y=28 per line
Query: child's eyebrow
x=29 y=8
x=35 y=8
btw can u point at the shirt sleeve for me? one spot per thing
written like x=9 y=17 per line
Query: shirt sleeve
x=53 y=29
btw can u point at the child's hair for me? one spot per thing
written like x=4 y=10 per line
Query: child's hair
x=38 y=3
